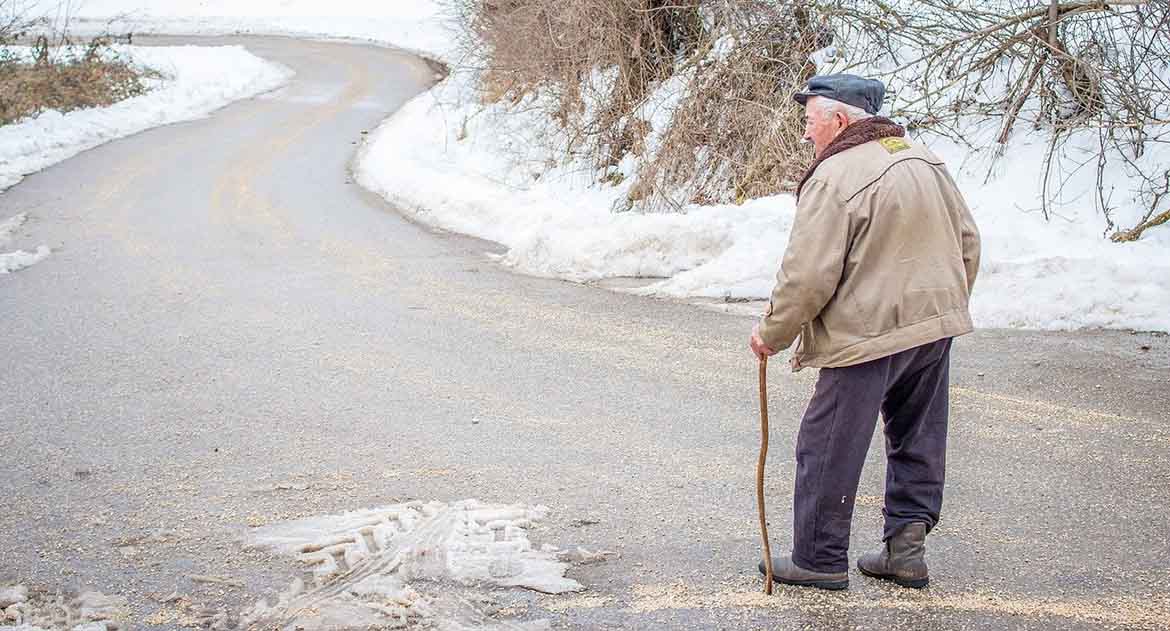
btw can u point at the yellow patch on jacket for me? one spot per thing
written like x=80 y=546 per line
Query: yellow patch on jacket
x=894 y=144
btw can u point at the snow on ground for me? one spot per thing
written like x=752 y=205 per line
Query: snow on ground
x=409 y=24
x=425 y=565
x=455 y=163
x=18 y=259
x=451 y=162
x=21 y=610
x=195 y=82
x=393 y=567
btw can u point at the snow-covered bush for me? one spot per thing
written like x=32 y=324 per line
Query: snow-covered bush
x=53 y=73
x=691 y=97
x=598 y=67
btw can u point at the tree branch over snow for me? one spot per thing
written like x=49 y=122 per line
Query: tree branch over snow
x=1060 y=67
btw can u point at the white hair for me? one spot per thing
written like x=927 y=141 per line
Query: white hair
x=852 y=113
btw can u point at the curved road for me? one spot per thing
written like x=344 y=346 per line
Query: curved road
x=230 y=332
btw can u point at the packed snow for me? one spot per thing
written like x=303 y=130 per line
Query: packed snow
x=392 y=566
x=430 y=565
x=21 y=610
x=195 y=81
x=486 y=170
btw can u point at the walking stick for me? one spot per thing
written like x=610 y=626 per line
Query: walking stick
x=760 y=472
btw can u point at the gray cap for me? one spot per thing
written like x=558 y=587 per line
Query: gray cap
x=867 y=94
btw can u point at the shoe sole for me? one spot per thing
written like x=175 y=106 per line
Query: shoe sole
x=912 y=583
x=829 y=585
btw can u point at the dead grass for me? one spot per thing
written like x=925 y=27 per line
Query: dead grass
x=555 y=46
x=65 y=83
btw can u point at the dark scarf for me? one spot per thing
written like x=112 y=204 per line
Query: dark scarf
x=856 y=134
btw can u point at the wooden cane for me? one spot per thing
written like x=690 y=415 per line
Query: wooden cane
x=760 y=473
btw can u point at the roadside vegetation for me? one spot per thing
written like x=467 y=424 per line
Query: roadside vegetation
x=42 y=71
x=1090 y=77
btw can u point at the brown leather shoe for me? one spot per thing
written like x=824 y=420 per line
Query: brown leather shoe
x=902 y=558
x=789 y=573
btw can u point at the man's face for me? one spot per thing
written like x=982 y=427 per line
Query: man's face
x=820 y=129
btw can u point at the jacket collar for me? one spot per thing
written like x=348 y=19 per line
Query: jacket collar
x=858 y=133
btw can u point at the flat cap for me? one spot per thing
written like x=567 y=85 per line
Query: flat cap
x=867 y=94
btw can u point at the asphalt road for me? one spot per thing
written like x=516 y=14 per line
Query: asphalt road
x=230 y=332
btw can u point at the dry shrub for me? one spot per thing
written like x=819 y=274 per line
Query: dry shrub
x=93 y=79
x=558 y=47
x=736 y=133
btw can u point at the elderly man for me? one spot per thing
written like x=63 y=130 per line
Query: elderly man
x=875 y=283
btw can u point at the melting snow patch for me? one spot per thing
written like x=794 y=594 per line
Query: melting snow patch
x=398 y=566
x=18 y=260
x=9 y=226
x=88 y=611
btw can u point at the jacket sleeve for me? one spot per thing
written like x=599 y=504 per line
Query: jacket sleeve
x=971 y=246
x=812 y=265
x=968 y=235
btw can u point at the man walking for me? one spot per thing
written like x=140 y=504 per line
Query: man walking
x=875 y=282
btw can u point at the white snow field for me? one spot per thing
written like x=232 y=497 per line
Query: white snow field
x=484 y=170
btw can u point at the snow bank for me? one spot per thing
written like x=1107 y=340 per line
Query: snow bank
x=485 y=170
x=413 y=25
x=197 y=81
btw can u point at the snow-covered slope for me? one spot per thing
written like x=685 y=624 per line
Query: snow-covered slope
x=452 y=162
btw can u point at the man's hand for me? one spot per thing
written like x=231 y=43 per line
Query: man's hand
x=760 y=349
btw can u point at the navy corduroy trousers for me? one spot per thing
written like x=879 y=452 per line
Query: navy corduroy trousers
x=909 y=389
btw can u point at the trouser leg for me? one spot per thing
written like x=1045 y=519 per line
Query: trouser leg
x=830 y=451
x=915 y=412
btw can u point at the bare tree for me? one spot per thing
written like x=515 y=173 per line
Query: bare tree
x=12 y=20
x=1065 y=67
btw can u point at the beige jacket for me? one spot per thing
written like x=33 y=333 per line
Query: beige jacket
x=882 y=258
